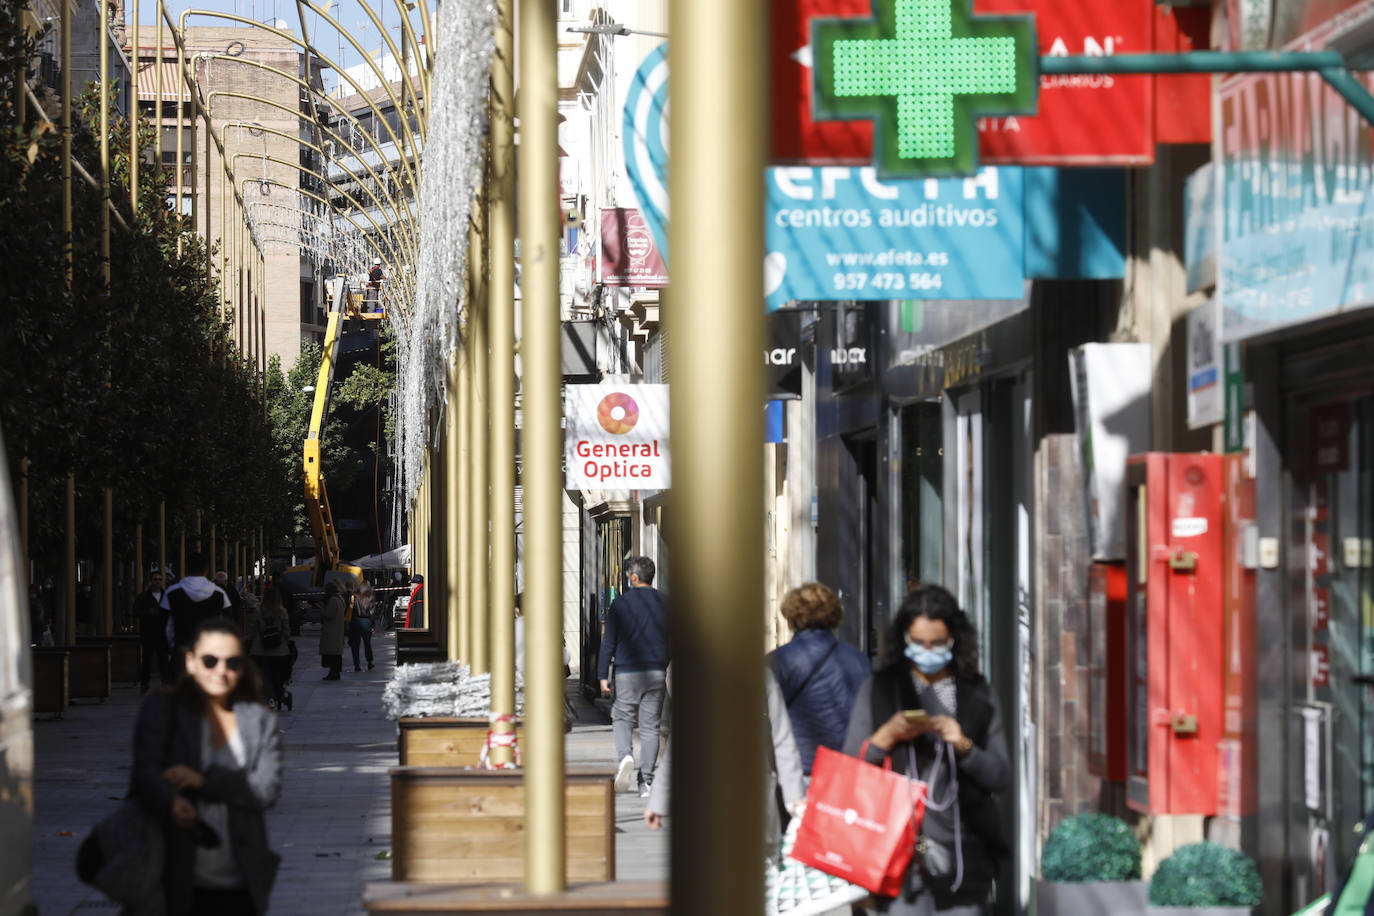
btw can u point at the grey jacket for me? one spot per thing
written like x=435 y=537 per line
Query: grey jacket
x=168 y=732
x=332 y=626
x=789 y=769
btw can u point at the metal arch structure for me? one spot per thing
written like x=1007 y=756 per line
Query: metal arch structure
x=404 y=212
x=388 y=206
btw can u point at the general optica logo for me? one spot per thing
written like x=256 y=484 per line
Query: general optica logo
x=617 y=413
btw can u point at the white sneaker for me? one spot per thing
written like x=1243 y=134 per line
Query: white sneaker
x=623 y=773
x=644 y=790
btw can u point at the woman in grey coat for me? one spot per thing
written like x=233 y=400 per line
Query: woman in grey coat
x=208 y=765
x=332 y=630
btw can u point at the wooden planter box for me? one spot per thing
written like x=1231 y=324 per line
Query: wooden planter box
x=408 y=637
x=125 y=655
x=89 y=672
x=458 y=826
x=634 y=898
x=50 y=680
x=413 y=655
x=439 y=741
x=1068 y=898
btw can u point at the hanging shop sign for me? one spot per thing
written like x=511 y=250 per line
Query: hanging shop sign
x=782 y=357
x=1068 y=128
x=1205 y=370
x=616 y=437
x=1295 y=188
x=629 y=252
x=842 y=233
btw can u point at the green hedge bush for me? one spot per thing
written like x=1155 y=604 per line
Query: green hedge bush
x=1091 y=847
x=1206 y=874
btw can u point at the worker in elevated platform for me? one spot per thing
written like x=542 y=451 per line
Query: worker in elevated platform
x=375 y=276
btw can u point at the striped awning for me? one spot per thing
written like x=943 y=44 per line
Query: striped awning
x=171 y=79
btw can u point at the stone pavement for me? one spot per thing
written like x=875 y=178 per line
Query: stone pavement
x=333 y=820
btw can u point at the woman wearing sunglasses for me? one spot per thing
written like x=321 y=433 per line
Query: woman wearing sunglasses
x=208 y=764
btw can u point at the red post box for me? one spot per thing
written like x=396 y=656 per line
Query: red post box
x=1174 y=572
x=1106 y=672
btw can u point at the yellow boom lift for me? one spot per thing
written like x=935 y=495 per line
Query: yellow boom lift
x=345 y=317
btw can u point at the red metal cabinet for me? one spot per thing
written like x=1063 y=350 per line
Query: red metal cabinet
x=1174 y=571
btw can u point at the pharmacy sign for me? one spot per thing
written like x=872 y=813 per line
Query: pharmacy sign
x=924 y=71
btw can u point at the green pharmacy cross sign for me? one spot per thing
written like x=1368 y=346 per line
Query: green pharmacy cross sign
x=924 y=71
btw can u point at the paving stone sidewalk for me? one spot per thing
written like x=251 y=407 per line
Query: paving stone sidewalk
x=333 y=819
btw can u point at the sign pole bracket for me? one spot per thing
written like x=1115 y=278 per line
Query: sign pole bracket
x=1329 y=64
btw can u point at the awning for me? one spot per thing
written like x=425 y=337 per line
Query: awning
x=171 y=79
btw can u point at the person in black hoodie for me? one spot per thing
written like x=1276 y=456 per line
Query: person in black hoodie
x=191 y=601
x=930 y=711
x=636 y=636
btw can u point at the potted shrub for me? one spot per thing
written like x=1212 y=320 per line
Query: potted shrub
x=1091 y=864
x=1208 y=878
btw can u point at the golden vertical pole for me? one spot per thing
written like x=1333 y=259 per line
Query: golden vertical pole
x=69 y=566
x=718 y=90
x=162 y=542
x=214 y=556
x=181 y=553
x=140 y=573
x=545 y=871
x=461 y=575
x=439 y=585
x=133 y=114
x=478 y=560
x=452 y=470
x=501 y=374
x=107 y=568
x=157 y=121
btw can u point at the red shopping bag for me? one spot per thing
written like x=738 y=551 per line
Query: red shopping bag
x=861 y=821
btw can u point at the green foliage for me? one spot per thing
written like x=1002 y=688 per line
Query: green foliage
x=1091 y=847
x=1206 y=874
x=133 y=385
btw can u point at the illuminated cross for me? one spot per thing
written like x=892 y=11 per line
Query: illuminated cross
x=924 y=70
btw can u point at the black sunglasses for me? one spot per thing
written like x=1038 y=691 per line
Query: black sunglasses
x=233 y=662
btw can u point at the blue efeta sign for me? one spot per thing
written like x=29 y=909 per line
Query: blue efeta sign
x=842 y=233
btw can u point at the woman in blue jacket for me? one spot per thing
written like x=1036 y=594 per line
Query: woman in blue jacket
x=819 y=676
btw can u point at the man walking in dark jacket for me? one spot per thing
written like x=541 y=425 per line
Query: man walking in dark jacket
x=636 y=636
x=152 y=631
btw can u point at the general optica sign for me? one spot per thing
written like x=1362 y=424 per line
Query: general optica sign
x=840 y=233
x=616 y=437
x=1297 y=219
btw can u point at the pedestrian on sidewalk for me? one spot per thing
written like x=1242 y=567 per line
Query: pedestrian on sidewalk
x=192 y=600
x=786 y=783
x=360 y=630
x=208 y=765
x=332 y=630
x=819 y=676
x=152 y=631
x=268 y=645
x=932 y=714
x=636 y=638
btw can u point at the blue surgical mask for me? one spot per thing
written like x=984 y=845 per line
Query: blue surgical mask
x=929 y=661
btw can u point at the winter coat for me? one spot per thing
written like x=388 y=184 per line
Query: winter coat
x=332 y=626
x=983 y=772
x=819 y=677
x=248 y=792
x=636 y=634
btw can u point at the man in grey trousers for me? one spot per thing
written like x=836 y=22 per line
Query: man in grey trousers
x=636 y=636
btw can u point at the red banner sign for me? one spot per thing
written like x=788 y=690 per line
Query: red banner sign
x=1083 y=120
x=629 y=255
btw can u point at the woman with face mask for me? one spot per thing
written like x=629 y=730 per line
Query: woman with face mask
x=929 y=710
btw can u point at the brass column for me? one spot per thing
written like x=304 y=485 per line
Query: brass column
x=717 y=91
x=542 y=442
x=24 y=520
x=69 y=566
x=107 y=568
x=501 y=375
x=460 y=575
x=457 y=640
x=139 y=573
x=440 y=582
x=162 y=542
x=477 y=562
